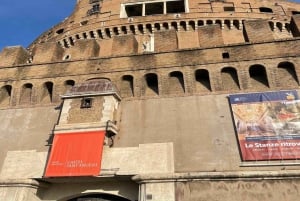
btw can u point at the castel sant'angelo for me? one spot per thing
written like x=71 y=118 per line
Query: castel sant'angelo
x=155 y=100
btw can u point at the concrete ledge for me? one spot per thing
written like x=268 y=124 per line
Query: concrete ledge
x=31 y=183
x=239 y=175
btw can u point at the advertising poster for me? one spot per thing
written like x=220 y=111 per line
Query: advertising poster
x=76 y=154
x=267 y=125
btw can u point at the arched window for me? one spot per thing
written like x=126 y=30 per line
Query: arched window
x=151 y=84
x=202 y=80
x=219 y=22
x=200 y=23
x=68 y=85
x=174 y=25
x=227 y=24
x=124 y=29
x=176 y=82
x=127 y=86
x=5 y=95
x=132 y=29
x=149 y=28
x=26 y=94
x=236 y=24
x=209 y=22
x=230 y=79
x=271 y=24
x=165 y=26
x=258 y=76
x=286 y=74
x=192 y=25
x=157 y=26
x=279 y=26
x=47 y=93
x=183 y=25
x=265 y=10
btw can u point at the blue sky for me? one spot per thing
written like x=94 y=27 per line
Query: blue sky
x=22 y=21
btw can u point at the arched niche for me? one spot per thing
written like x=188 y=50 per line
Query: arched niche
x=258 y=77
x=202 y=80
x=229 y=78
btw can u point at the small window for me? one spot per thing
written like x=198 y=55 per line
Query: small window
x=225 y=55
x=229 y=9
x=60 y=31
x=154 y=8
x=94 y=10
x=86 y=103
x=175 y=6
x=84 y=22
x=295 y=12
x=265 y=10
x=134 y=10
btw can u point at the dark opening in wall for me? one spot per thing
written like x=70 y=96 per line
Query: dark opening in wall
x=154 y=8
x=265 y=10
x=287 y=75
x=107 y=32
x=229 y=78
x=86 y=103
x=84 y=22
x=26 y=93
x=258 y=76
x=151 y=83
x=175 y=6
x=99 y=197
x=134 y=10
x=68 y=85
x=176 y=83
x=5 y=95
x=127 y=86
x=60 y=31
x=225 y=55
x=295 y=12
x=202 y=77
x=94 y=10
x=47 y=93
x=229 y=9
x=84 y=35
x=94 y=1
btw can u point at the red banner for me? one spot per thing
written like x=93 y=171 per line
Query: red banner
x=76 y=154
x=267 y=125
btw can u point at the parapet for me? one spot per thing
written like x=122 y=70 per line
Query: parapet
x=83 y=49
x=14 y=55
x=258 y=31
x=47 y=52
x=210 y=36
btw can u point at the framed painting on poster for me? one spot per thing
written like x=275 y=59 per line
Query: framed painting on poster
x=267 y=125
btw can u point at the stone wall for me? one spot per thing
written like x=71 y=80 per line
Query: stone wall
x=186 y=72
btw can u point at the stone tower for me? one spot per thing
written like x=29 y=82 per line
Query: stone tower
x=171 y=100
